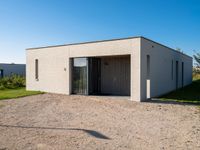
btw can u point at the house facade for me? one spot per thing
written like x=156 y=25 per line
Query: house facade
x=137 y=67
x=10 y=69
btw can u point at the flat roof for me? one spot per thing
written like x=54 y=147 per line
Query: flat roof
x=88 y=42
x=98 y=41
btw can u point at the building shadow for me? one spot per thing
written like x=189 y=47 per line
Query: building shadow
x=89 y=132
x=92 y=133
x=171 y=101
x=189 y=95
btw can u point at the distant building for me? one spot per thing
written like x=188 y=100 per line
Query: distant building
x=10 y=69
x=137 y=67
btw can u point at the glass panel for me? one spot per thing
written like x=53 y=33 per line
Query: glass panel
x=79 y=83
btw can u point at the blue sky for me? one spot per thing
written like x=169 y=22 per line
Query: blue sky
x=33 y=23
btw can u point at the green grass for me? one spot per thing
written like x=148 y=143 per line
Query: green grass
x=189 y=94
x=16 y=93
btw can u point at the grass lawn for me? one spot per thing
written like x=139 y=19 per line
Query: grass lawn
x=16 y=93
x=188 y=94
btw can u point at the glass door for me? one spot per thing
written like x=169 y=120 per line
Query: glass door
x=80 y=76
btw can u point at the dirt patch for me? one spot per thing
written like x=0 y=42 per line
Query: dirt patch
x=52 y=121
x=1 y=105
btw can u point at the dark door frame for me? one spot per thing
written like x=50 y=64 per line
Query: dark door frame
x=94 y=76
x=1 y=73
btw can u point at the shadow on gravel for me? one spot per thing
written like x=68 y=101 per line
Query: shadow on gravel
x=168 y=101
x=90 y=132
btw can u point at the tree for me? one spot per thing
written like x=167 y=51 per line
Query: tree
x=197 y=58
x=178 y=49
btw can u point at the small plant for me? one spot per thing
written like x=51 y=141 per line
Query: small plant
x=18 y=81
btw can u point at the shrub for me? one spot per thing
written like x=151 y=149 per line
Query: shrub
x=2 y=87
x=18 y=81
x=12 y=82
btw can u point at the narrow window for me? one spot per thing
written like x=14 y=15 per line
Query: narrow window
x=148 y=81
x=172 y=70
x=182 y=74
x=148 y=66
x=36 y=69
x=177 y=75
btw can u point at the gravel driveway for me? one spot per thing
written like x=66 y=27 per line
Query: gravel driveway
x=52 y=121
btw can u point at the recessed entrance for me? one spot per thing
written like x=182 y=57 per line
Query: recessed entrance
x=109 y=75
